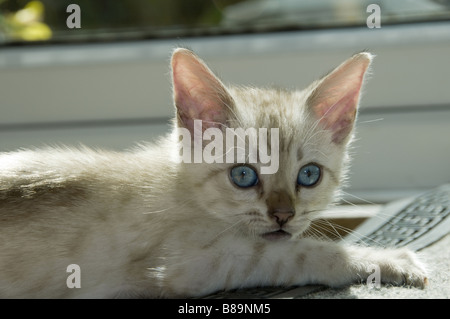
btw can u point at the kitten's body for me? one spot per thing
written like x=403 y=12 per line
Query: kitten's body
x=139 y=224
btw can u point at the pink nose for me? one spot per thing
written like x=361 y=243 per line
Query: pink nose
x=282 y=216
x=280 y=206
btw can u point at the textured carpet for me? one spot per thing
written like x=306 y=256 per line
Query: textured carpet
x=437 y=259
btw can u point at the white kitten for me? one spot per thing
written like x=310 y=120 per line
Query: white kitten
x=147 y=224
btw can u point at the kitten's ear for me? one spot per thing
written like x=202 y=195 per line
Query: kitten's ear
x=198 y=93
x=334 y=100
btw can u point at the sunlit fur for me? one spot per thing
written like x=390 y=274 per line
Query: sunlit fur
x=139 y=224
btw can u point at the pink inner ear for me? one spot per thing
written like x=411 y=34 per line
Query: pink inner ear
x=198 y=94
x=339 y=117
x=335 y=99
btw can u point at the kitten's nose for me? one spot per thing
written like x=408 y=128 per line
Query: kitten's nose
x=280 y=206
x=282 y=217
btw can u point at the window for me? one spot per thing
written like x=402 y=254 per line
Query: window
x=107 y=20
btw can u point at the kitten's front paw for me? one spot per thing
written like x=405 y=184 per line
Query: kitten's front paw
x=401 y=267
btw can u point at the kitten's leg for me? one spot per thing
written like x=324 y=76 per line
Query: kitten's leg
x=241 y=264
x=337 y=265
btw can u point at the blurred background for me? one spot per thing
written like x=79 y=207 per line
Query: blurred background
x=107 y=84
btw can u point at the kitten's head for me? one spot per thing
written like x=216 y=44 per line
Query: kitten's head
x=302 y=136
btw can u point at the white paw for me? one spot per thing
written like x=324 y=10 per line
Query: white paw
x=401 y=267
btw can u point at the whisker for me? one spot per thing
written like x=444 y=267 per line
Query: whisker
x=349 y=232
x=322 y=230
x=169 y=208
x=358 y=198
x=226 y=230
x=379 y=214
x=371 y=121
x=315 y=233
x=332 y=225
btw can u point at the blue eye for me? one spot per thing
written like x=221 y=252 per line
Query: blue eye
x=308 y=175
x=244 y=176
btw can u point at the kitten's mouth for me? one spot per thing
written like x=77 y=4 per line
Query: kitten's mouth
x=277 y=235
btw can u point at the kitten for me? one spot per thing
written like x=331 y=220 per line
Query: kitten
x=144 y=223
